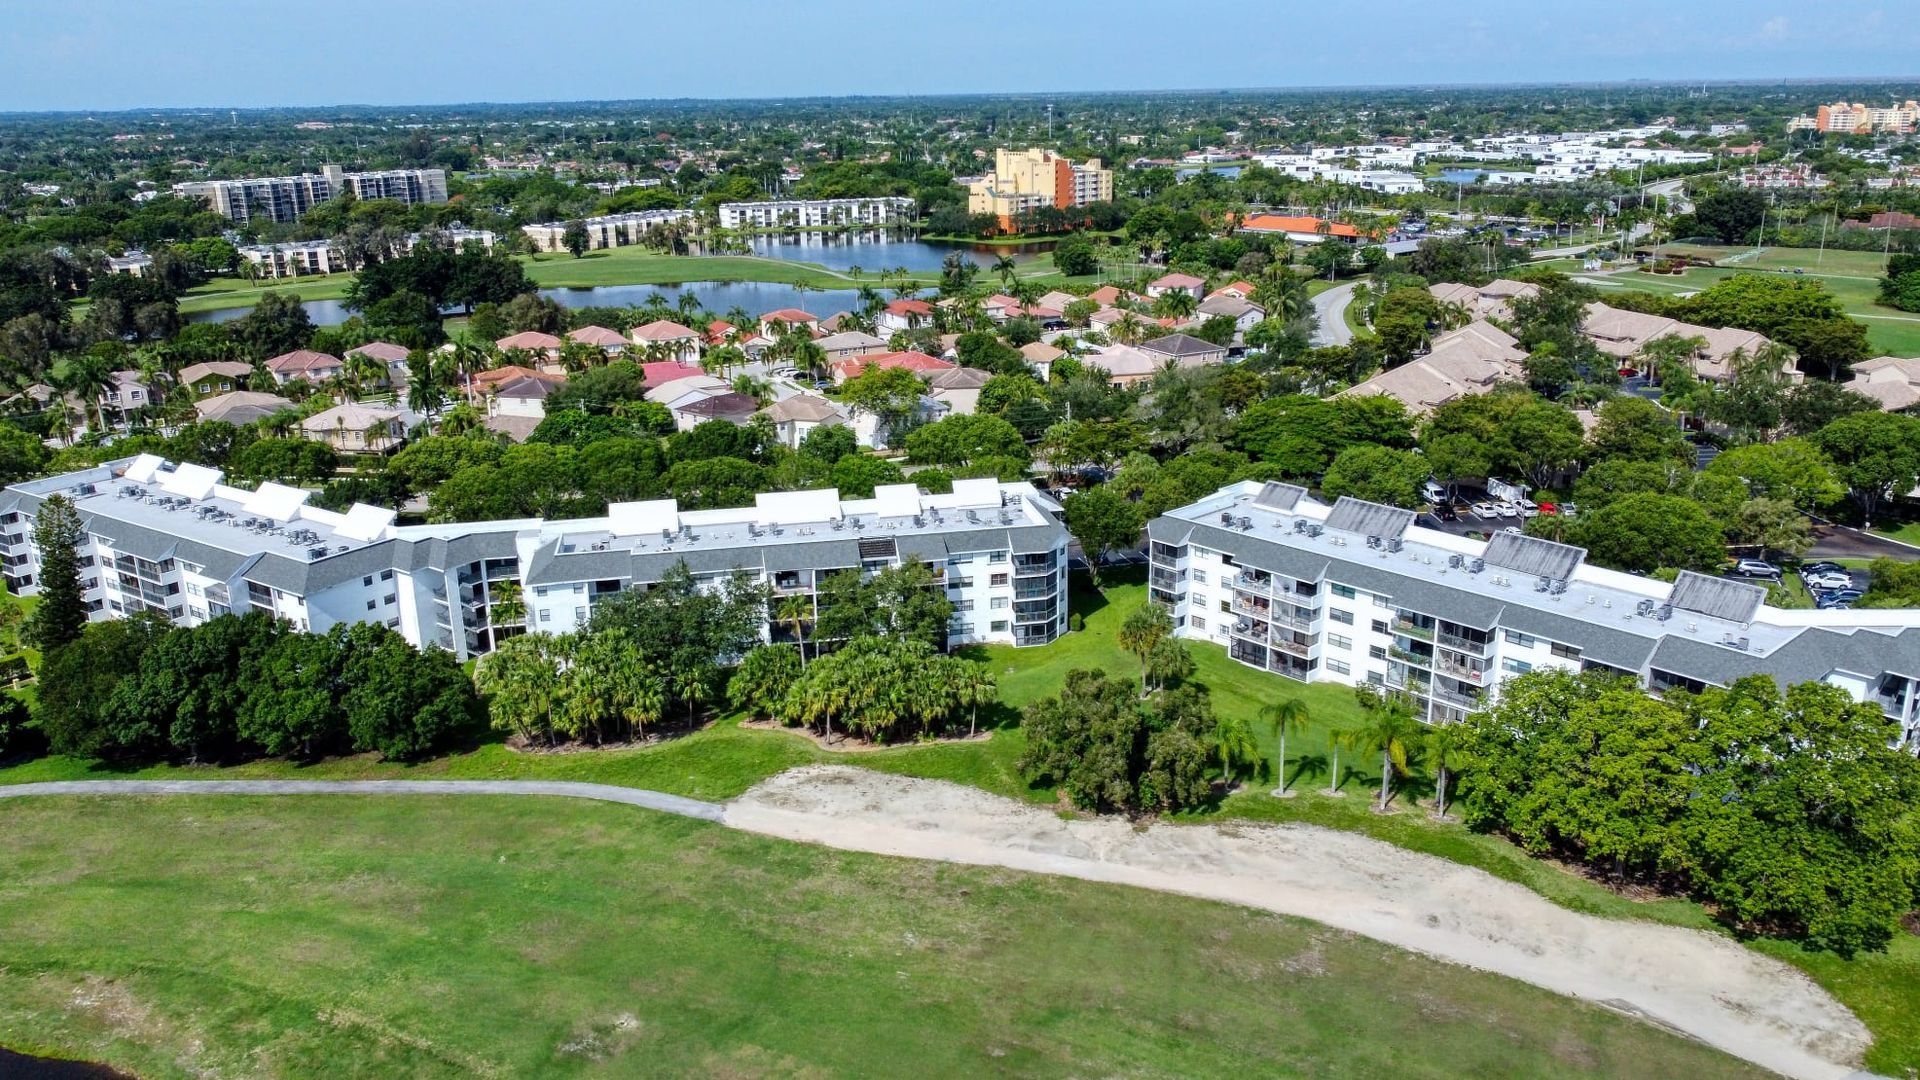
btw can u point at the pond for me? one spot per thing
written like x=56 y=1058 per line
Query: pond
x=882 y=249
x=718 y=297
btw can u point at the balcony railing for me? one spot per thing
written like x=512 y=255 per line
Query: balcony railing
x=1252 y=631
x=1404 y=656
x=1455 y=697
x=1289 y=645
x=1413 y=630
x=1039 y=590
x=1290 y=617
x=1461 y=644
x=1459 y=670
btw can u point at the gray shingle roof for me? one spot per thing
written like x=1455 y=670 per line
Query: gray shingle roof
x=1369 y=519
x=1532 y=555
x=1735 y=601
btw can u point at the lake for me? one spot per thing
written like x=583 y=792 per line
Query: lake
x=882 y=249
x=871 y=251
x=718 y=297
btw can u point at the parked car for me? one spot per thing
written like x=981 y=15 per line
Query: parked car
x=1833 y=595
x=1628 y=373
x=1807 y=570
x=1445 y=512
x=1828 y=580
x=1506 y=509
x=1528 y=508
x=1759 y=568
x=1485 y=510
x=1549 y=509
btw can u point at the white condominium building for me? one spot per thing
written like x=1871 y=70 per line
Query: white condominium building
x=288 y=198
x=606 y=231
x=816 y=213
x=1357 y=593
x=176 y=540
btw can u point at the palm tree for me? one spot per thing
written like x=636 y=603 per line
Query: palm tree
x=973 y=686
x=690 y=684
x=1280 y=717
x=1006 y=268
x=1446 y=752
x=521 y=681
x=796 y=611
x=1179 y=303
x=1233 y=742
x=1336 y=742
x=1144 y=628
x=1390 y=729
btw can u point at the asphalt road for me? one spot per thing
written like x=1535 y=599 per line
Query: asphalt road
x=1331 y=309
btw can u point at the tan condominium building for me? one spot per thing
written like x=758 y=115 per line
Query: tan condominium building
x=1028 y=179
x=1859 y=119
x=288 y=198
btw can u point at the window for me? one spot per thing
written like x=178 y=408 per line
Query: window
x=998 y=626
x=369 y=605
x=388 y=599
x=1338 y=642
x=1339 y=667
x=998 y=602
x=1344 y=592
x=963 y=605
x=1565 y=652
x=998 y=556
x=386 y=575
x=546 y=615
x=368 y=580
x=1515 y=637
x=1380 y=627
x=1200 y=577
x=1377 y=652
x=579 y=614
x=1518 y=667
x=1196 y=622
x=997 y=579
x=1339 y=616
x=540 y=590
x=1226 y=606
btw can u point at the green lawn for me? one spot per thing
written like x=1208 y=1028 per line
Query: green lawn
x=1852 y=276
x=725 y=759
x=516 y=937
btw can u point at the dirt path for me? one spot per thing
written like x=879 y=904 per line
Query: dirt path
x=1693 y=982
x=1696 y=983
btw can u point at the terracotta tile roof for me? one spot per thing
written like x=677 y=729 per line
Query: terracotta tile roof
x=1302 y=225
x=507 y=372
x=917 y=362
x=597 y=335
x=790 y=316
x=663 y=330
x=1178 y=281
x=661 y=372
x=906 y=306
x=301 y=361
x=529 y=339
x=381 y=350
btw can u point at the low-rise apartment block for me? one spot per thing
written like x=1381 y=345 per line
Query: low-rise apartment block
x=816 y=213
x=607 y=231
x=175 y=540
x=1356 y=593
x=288 y=198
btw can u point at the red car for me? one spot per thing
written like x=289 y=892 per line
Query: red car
x=1548 y=508
x=1628 y=373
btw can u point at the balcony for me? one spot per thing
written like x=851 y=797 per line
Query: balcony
x=1248 y=654
x=1406 y=657
x=1413 y=629
x=1292 y=617
x=1029 y=565
x=1165 y=579
x=1894 y=705
x=1288 y=667
x=1254 y=582
x=1288 y=645
x=1038 y=590
x=1462 y=644
x=1252 y=631
x=1449 y=695
x=1459 y=670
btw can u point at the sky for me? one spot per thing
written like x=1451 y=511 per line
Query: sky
x=121 y=54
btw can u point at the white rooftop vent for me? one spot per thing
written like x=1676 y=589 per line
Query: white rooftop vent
x=635 y=518
x=276 y=501
x=365 y=522
x=145 y=468
x=193 y=481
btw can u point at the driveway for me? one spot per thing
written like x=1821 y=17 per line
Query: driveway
x=1331 y=309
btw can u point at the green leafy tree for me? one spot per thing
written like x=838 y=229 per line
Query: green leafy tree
x=1102 y=520
x=1876 y=455
x=1377 y=474
x=1645 y=531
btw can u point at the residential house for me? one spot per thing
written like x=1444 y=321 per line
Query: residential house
x=305 y=365
x=1124 y=365
x=525 y=396
x=667 y=340
x=1492 y=300
x=358 y=426
x=215 y=377
x=794 y=418
x=679 y=393
x=917 y=362
x=734 y=408
x=1168 y=283
x=1040 y=357
x=1000 y=307
x=1622 y=334
x=1242 y=290
x=544 y=346
x=1057 y=300
x=607 y=341
x=1461 y=363
x=127 y=391
x=661 y=372
x=958 y=389
x=850 y=343
x=389 y=354
x=1184 y=350
x=1893 y=381
x=240 y=407
x=905 y=313
x=774 y=323
x=1245 y=313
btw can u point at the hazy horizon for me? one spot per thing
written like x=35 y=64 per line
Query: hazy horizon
x=102 y=56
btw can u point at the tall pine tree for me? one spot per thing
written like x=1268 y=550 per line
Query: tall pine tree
x=62 y=613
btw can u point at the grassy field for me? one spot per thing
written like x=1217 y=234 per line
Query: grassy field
x=513 y=937
x=1852 y=276
x=724 y=760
